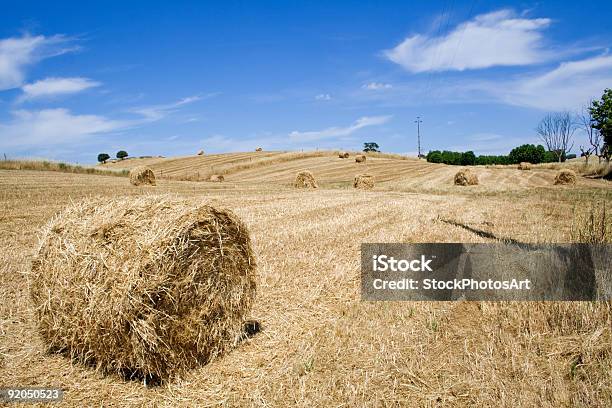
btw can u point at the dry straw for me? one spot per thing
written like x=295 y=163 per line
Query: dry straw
x=363 y=182
x=565 y=176
x=524 y=166
x=148 y=286
x=343 y=155
x=465 y=177
x=305 y=179
x=360 y=158
x=217 y=178
x=142 y=175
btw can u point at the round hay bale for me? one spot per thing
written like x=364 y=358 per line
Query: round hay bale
x=364 y=181
x=305 y=179
x=524 y=166
x=259 y=149
x=343 y=155
x=200 y=152
x=150 y=286
x=360 y=158
x=565 y=176
x=217 y=178
x=465 y=177
x=142 y=175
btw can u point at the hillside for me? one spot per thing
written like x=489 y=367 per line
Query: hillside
x=390 y=171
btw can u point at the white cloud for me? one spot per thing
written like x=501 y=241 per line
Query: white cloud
x=493 y=39
x=323 y=97
x=339 y=131
x=567 y=86
x=376 y=86
x=17 y=53
x=53 y=127
x=56 y=86
x=157 y=112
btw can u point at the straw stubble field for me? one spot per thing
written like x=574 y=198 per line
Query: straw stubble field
x=320 y=345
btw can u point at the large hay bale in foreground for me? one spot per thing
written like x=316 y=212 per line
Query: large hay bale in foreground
x=142 y=175
x=565 y=176
x=343 y=155
x=364 y=181
x=465 y=177
x=360 y=158
x=217 y=178
x=147 y=286
x=305 y=179
x=524 y=166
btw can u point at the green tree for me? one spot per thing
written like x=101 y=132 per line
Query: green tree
x=601 y=113
x=122 y=154
x=103 y=157
x=468 y=158
x=527 y=153
x=370 y=147
x=434 y=156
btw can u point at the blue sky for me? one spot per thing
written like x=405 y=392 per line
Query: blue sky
x=170 y=78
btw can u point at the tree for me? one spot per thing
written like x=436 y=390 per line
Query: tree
x=122 y=154
x=434 y=156
x=601 y=113
x=585 y=122
x=556 y=131
x=527 y=153
x=586 y=153
x=468 y=158
x=370 y=147
x=103 y=157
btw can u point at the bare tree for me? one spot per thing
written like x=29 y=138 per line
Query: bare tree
x=556 y=130
x=585 y=122
x=586 y=153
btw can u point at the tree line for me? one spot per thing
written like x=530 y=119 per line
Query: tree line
x=556 y=131
x=524 y=153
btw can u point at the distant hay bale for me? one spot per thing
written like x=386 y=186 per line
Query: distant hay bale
x=200 y=152
x=259 y=149
x=363 y=182
x=147 y=287
x=217 y=178
x=524 y=166
x=465 y=177
x=142 y=175
x=343 y=155
x=305 y=179
x=565 y=176
x=360 y=158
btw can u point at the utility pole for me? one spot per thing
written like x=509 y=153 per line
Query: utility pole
x=418 y=122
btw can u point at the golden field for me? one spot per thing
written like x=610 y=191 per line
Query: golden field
x=320 y=345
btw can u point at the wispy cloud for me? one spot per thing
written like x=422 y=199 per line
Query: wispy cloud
x=567 y=86
x=53 y=127
x=500 y=38
x=157 y=112
x=49 y=87
x=19 y=52
x=376 y=86
x=323 y=97
x=335 y=131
